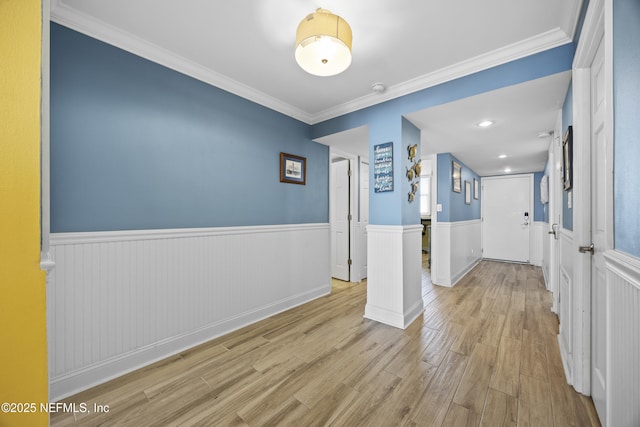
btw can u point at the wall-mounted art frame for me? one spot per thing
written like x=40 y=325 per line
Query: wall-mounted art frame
x=293 y=169
x=476 y=190
x=467 y=192
x=456 y=177
x=567 y=158
x=383 y=167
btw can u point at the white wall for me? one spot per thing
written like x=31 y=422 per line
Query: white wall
x=120 y=300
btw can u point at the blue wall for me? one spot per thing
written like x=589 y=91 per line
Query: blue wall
x=385 y=123
x=135 y=145
x=626 y=106
x=567 y=120
x=538 y=207
x=453 y=204
x=545 y=207
x=542 y=64
x=410 y=137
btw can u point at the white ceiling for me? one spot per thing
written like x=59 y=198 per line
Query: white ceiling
x=246 y=47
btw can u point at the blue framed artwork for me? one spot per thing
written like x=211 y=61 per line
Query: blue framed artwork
x=293 y=169
x=383 y=167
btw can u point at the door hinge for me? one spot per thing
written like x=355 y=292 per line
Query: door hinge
x=349 y=261
x=349 y=217
x=349 y=172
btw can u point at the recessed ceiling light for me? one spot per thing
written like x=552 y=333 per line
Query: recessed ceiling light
x=502 y=156
x=485 y=123
x=507 y=170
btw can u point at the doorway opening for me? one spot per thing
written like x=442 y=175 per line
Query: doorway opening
x=348 y=215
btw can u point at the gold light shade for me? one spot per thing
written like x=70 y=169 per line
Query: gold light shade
x=323 y=44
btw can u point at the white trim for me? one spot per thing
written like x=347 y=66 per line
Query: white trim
x=522 y=49
x=60 y=239
x=100 y=30
x=624 y=265
x=592 y=32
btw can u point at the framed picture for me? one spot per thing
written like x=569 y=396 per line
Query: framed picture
x=456 y=177
x=475 y=189
x=567 y=158
x=467 y=192
x=293 y=169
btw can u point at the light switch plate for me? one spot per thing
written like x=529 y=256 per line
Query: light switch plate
x=439 y=207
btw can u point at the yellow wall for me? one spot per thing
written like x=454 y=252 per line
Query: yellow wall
x=23 y=344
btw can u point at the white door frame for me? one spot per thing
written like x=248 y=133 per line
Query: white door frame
x=555 y=214
x=598 y=23
x=354 y=189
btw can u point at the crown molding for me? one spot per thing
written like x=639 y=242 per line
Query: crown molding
x=85 y=24
x=527 y=47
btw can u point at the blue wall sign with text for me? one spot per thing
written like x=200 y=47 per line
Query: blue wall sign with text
x=383 y=167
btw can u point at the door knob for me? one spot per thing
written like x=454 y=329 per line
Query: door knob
x=585 y=249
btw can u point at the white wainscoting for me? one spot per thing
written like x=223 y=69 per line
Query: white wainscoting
x=359 y=266
x=566 y=298
x=120 y=300
x=458 y=249
x=536 y=240
x=394 y=286
x=623 y=339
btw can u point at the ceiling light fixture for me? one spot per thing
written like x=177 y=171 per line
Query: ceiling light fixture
x=507 y=170
x=502 y=156
x=323 y=44
x=485 y=123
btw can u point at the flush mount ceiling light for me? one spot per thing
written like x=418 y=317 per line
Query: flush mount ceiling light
x=323 y=44
x=485 y=123
x=502 y=156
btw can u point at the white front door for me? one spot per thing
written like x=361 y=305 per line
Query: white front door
x=340 y=219
x=506 y=217
x=601 y=167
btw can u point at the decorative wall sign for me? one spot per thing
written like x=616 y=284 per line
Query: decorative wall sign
x=383 y=167
x=293 y=169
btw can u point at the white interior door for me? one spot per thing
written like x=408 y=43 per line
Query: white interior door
x=506 y=217
x=600 y=165
x=364 y=214
x=340 y=219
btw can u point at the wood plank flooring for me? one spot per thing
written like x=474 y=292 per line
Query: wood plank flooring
x=484 y=353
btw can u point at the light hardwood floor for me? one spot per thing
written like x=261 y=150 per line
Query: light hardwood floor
x=483 y=353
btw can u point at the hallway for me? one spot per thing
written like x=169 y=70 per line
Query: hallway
x=483 y=353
